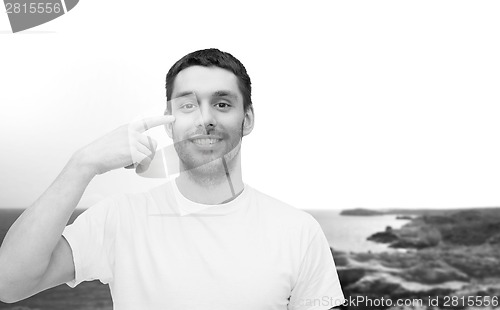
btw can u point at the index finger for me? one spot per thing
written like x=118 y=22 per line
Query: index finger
x=150 y=122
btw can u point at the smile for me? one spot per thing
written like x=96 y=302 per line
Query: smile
x=205 y=141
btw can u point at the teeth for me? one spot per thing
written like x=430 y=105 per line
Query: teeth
x=205 y=141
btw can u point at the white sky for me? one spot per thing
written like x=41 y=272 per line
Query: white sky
x=376 y=104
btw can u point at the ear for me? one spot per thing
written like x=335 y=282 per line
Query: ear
x=248 y=121
x=168 y=127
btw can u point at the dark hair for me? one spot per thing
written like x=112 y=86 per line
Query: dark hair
x=212 y=57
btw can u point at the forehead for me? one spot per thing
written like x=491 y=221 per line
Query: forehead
x=205 y=81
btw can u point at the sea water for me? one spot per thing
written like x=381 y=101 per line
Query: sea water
x=349 y=233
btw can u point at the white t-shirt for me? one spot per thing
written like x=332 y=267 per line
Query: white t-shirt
x=159 y=250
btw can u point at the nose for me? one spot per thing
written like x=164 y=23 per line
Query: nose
x=208 y=119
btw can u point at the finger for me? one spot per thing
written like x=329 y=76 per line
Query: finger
x=150 y=122
x=144 y=145
x=144 y=165
x=145 y=161
x=148 y=142
x=144 y=149
x=138 y=157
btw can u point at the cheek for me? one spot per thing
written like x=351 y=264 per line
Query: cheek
x=238 y=127
x=182 y=125
x=186 y=122
x=178 y=131
x=231 y=122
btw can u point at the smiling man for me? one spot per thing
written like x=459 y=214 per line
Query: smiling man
x=205 y=240
x=208 y=130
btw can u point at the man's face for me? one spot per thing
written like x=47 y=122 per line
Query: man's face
x=211 y=127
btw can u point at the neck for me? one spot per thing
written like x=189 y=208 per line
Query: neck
x=218 y=187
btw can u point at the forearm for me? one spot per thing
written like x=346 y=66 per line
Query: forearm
x=29 y=243
x=28 y=247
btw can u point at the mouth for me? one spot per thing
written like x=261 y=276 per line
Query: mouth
x=206 y=140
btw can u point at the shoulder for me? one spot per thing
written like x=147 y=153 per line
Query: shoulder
x=283 y=213
x=105 y=207
x=119 y=205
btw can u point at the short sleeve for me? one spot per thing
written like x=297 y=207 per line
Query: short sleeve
x=91 y=238
x=317 y=286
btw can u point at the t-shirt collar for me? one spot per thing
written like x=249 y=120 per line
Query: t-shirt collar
x=168 y=200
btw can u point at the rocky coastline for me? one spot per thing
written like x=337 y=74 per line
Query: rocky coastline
x=452 y=256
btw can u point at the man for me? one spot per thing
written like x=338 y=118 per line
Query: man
x=205 y=240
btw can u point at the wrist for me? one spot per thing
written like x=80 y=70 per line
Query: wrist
x=80 y=164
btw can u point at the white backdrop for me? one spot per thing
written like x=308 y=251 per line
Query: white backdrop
x=358 y=104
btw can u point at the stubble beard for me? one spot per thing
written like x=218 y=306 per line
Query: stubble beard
x=212 y=170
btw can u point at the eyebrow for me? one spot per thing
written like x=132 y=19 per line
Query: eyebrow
x=224 y=93
x=218 y=93
x=185 y=93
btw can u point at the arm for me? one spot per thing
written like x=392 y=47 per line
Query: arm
x=34 y=256
x=34 y=244
x=317 y=285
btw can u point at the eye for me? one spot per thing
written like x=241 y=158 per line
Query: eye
x=222 y=105
x=188 y=106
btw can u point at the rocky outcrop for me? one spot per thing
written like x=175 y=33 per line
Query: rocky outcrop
x=384 y=237
x=448 y=254
x=408 y=243
x=495 y=239
x=360 y=212
x=434 y=272
x=404 y=217
x=421 y=273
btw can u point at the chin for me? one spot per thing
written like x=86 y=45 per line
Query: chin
x=212 y=172
x=207 y=163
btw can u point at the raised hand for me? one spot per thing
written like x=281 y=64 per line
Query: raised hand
x=126 y=146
